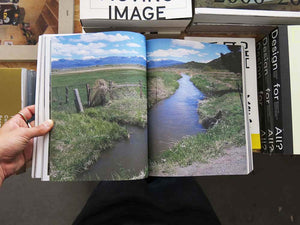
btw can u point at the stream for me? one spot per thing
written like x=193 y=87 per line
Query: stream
x=169 y=121
x=175 y=117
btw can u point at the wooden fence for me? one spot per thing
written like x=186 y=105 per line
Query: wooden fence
x=89 y=91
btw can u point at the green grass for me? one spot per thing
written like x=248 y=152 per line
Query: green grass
x=161 y=84
x=229 y=132
x=132 y=111
x=79 y=138
x=79 y=81
x=213 y=82
x=77 y=141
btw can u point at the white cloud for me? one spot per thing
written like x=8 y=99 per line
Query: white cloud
x=101 y=37
x=86 y=51
x=191 y=44
x=173 y=52
x=88 y=57
x=134 y=45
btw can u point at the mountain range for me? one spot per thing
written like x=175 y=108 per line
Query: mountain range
x=163 y=63
x=112 y=60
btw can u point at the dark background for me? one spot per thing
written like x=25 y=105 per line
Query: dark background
x=269 y=195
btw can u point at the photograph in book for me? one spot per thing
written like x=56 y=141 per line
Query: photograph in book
x=195 y=108
x=99 y=105
x=277 y=5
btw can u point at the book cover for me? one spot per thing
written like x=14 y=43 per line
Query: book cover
x=276 y=5
x=289 y=70
x=276 y=84
x=11 y=94
x=260 y=91
x=293 y=33
x=138 y=16
x=268 y=93
x=251 y=80
x=103 y=85
x=250 y=12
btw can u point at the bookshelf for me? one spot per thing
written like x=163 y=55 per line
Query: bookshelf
x=56 y=16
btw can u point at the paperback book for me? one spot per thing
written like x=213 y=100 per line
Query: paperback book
x=17 y=90
x=283 y=51
x=278 y=5
x=251 y=12
x=125 y=108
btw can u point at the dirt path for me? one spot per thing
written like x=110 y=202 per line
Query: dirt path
x=231 y=163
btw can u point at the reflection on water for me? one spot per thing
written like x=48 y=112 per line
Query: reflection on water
x=128 y=155
x=174 y=118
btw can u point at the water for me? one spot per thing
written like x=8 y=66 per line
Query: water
x=171 y=119
x=128 y=156
x=175 y=117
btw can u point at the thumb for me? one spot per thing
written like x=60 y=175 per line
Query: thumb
x=40 y=130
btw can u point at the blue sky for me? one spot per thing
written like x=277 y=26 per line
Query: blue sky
x=183 y=50
x=97 y=45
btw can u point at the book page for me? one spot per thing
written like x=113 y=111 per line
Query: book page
x=39 y=111
x=37 y=106
x=250 y=79
x=99 y=106
x=197 y=109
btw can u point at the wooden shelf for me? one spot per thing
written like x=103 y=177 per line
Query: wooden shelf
x=52 y=5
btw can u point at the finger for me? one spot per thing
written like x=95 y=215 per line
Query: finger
x=40 y=130
x=28 y=111
x=32 y=123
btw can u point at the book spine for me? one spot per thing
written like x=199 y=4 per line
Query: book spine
x=260 y=90
x=268 y=93
x=276 y=84
x=285 y=103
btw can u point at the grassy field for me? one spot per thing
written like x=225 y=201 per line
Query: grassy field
x=220 y=89
x=162 y=83
x=78 y=138
x=79 y=81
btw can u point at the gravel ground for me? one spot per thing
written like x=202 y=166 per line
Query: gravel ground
x=231 y=163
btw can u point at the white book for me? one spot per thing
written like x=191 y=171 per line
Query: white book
x=242 y=16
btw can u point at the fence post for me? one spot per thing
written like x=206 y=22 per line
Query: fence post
x=141 y=89
x=110 y=89
x=77 y=101
x=67 y=95
x=88 y=91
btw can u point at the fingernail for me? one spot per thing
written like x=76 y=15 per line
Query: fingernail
x=48 y=123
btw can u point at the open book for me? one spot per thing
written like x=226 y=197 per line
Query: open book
x=127 y=108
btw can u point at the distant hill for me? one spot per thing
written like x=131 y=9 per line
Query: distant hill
x=163 y=63
x=191 y=64
x=230 y=62
x=68 y=64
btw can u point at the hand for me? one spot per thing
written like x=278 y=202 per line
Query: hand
x=16 y=142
